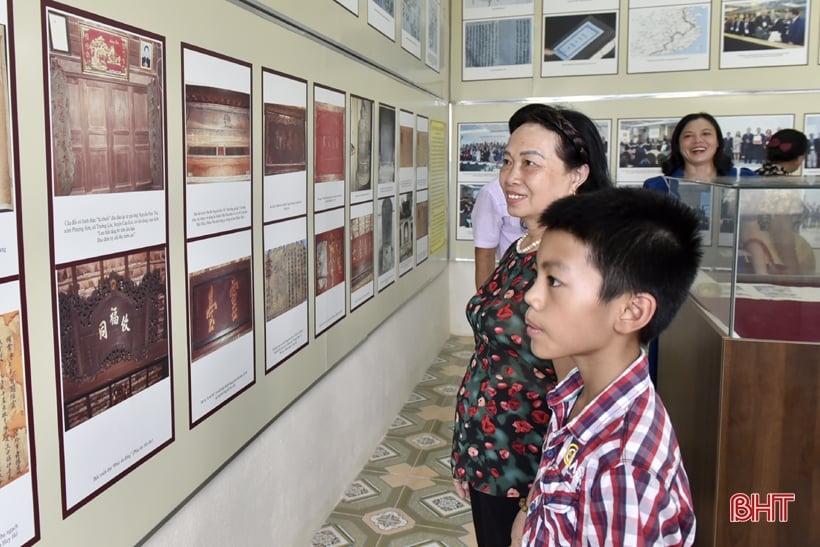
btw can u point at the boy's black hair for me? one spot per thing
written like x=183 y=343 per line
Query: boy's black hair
x=579 y=140
x=639 y=241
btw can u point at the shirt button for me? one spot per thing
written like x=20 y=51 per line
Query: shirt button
x=550 y=453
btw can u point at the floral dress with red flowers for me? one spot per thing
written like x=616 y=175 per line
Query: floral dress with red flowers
x=501 y=406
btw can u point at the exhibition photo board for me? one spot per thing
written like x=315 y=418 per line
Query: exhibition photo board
x=19 y=518
x=362 y=242
x=105 y=82
x=284 y=136
x=668 y=36
x=360 y=160
x=219 y=239
x=286 y=289
x=580 y=42
x=285 y=198
x=406 y=232
x=412 y=25
x=330 y=284
x=387 y=177
x=422 y=225
x=381 y=15
x=328 y=148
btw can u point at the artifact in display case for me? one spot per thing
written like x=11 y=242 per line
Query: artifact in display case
x=759 y=277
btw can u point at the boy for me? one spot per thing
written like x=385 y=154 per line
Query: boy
x=613 y=269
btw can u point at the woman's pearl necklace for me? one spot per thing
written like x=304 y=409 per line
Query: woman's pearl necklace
x=531 y=247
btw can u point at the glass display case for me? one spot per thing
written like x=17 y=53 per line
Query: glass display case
x=761 y=251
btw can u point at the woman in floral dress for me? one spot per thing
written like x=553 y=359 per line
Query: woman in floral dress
x=501 y=408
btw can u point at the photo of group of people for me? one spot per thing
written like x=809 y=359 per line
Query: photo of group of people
x=746 y=25
x=768 y=33
x=481 y=148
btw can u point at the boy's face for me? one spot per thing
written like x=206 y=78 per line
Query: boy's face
x=566 y=317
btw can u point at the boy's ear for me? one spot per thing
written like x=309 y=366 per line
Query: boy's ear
x=638 y=311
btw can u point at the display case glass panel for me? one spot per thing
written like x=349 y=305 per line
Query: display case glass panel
x=761 y=250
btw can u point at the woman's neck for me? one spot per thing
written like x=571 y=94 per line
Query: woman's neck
x=706 y=171
x=534 y=228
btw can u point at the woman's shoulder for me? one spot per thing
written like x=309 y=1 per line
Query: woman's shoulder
x=741 y=171
x=657 y=183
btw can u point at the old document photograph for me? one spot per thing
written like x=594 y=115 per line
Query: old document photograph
x=497 y=48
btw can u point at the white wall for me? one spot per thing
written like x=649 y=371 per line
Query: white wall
x=279 y=489
x=462 y=288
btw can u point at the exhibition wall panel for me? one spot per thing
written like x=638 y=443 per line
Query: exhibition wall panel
x=624 y=123
x=414 y=44
x=622 y=47
x=159 y=129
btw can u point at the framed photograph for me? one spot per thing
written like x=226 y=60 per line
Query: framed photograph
x=386 y=242
x=350 y=5
x=669 y=38
x=406 y=233
x=643 y=146
x=605 y=130
x=431 y=54
x=104 y=53
x=497 y=48
x=58 y=32
x=146 y=55
x=411 y=25
x=747 y=137
x=481 y=149
x=360 y=159
x=811 y=127
x=580 y=44
x=381 y=15
x=284 y=138
x=773 y=33
x=467 y=192
x=482 y=9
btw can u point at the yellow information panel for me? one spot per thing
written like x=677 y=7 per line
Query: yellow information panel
x=438 y=185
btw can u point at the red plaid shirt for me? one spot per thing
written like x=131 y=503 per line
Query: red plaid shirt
x=613 y=475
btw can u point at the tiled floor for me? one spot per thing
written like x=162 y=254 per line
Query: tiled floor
x=404 y=495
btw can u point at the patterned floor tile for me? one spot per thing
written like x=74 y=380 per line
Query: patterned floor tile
x=436 y=506
x=404 y=496
x=415 y=398
x=391 y=451
x=438 y=460
x=389 y=521
x=406 y=424
x=436 y=412
x=368 y=491
x=343 y=530
x=426 y=441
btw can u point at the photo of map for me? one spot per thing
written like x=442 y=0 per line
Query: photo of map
x=670 y=38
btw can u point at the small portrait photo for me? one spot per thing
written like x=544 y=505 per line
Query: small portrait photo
x=146 y=54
